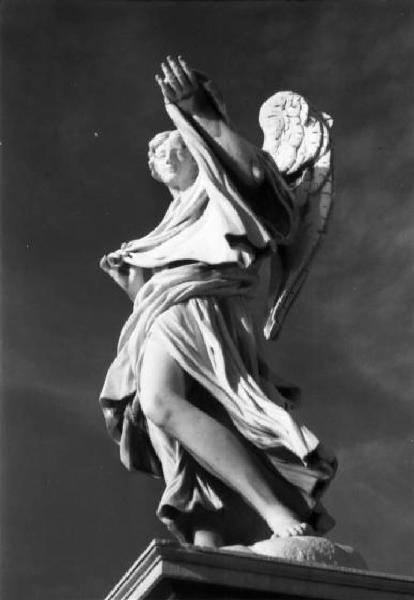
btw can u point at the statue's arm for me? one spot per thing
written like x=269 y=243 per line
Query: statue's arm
x=181 y=86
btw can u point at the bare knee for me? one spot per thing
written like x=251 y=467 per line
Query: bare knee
x=162 y=385
x=156 y=408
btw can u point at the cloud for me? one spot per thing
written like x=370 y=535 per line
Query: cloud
x=66 y=501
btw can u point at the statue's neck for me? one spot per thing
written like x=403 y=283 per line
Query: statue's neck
x=183 y=190
x=175 y=192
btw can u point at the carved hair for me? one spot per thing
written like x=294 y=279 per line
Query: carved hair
x=156 y=141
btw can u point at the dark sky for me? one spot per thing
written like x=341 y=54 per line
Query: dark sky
x=79 y=104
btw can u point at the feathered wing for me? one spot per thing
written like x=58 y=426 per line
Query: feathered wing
x=298 y=138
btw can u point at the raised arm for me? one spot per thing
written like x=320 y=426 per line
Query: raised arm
x=181 y=86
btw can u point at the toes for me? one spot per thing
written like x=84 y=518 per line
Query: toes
x=299 y=529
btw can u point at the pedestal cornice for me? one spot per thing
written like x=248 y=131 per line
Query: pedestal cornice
x=167 y=570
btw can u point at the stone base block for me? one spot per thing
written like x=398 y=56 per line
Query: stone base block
x=170 y=571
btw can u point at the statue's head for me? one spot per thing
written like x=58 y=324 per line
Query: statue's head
x=171 y=162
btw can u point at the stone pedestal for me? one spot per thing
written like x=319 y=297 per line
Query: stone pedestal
x=169 y=571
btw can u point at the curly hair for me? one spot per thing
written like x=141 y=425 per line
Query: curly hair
x=154 y=143
x=157 y=141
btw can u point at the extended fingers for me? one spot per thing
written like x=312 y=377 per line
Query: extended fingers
x=179 y=73
x=167 y=91
x=178 y=81
x=170 y=77
x=187 y=72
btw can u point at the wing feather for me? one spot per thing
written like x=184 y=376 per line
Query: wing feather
x=298 y=138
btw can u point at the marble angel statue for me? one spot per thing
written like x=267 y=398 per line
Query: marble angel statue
x=188 y=396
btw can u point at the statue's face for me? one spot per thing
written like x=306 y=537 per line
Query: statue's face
x=173 y=163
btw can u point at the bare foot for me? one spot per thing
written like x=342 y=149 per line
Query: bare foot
x=285 y=522
x=297 y=529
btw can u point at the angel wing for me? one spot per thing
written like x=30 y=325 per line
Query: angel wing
x=298 y=138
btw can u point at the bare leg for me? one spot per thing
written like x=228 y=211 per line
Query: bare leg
x=215 y=447
x=208 y=538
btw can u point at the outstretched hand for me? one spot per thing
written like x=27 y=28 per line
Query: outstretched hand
x=179 y=84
